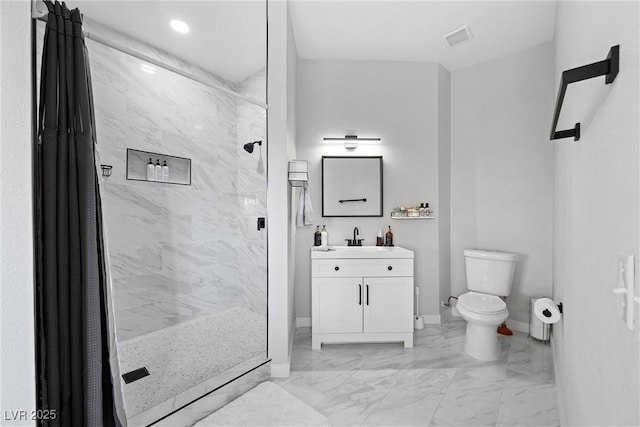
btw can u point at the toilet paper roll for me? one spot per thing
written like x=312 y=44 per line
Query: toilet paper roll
x=546 y=310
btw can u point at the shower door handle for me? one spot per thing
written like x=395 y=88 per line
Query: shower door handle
x=261 y=223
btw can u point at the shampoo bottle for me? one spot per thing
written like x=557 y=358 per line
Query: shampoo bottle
x=165 y=172
x=324 y=236
x=151 y=171
x=158 y=170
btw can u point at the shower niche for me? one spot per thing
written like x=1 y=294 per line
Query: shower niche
x=173 y=169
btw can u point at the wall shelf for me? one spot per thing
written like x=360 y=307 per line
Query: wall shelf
x=413 y=217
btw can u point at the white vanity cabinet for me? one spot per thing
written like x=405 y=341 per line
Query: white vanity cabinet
x=362 y=294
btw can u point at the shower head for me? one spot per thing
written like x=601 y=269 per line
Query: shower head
x=248 y=147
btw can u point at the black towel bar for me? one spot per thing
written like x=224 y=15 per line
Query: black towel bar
x=608 y=68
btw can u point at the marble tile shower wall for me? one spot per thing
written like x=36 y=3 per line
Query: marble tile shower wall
x=178 y=252
x=252 y=193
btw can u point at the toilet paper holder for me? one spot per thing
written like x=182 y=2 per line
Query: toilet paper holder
x=546 y=310
x=547 y=313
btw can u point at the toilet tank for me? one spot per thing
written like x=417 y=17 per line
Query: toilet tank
x=489 y=272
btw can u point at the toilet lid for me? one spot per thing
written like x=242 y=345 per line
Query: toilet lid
x=481 y=303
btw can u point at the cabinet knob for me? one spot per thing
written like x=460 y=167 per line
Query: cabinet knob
x=389 y=268
x=336 y=268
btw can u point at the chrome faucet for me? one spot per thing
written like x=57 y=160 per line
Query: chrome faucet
x=355 y=241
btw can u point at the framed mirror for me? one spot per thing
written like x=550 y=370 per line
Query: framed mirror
x=351 y=186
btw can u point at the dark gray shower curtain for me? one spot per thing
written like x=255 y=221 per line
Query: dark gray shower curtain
x=73 y=359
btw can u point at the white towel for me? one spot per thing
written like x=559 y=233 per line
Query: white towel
x=304 y=215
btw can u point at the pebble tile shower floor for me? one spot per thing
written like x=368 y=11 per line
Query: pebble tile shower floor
x=435 y=383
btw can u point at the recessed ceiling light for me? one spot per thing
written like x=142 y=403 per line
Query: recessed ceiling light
x=147 y=68
x=179 y=26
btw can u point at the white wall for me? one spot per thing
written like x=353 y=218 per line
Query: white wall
x=596 y=216
x=398 y=102
x=281 y=150
x=444 y=181
x=502 y=169
x=292 y=78
x=17 y=340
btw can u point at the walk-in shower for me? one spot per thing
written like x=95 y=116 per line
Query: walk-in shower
x=188 y=268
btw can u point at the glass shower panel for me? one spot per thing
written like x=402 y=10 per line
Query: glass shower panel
x=188 y=264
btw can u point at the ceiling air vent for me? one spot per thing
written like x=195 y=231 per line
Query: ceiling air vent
x=458 y=36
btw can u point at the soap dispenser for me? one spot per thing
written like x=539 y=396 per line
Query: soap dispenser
x=324 y=236
x=165 y=172
x=151 y=171
x=388 y=238
x=317 y=237
x=158 y=170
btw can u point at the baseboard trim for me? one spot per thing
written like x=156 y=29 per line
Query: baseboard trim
x=432 y=319
x=518 y=326
x=281 y=370
x=559 y=393
x=303 y=322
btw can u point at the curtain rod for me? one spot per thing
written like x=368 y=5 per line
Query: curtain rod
x=39 y=11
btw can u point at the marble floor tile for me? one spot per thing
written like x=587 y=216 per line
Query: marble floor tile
x=529 y=406
x=476 y=407
x=411 y=413
x=433 y=384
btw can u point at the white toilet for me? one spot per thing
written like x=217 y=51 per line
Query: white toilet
x=489 y=276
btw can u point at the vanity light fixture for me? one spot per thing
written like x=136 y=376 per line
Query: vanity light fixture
x=351 y=141
x=179 y=26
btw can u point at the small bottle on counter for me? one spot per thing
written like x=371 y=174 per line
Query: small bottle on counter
x=388 y=240
x=380 y=239
x=317 y=238
x=324 y=236
x=151 y=171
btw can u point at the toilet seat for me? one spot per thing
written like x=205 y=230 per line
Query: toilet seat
x=476 y=302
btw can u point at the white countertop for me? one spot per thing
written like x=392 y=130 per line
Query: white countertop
x=364 y=252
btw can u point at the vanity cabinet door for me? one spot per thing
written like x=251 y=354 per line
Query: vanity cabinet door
x=337 y=305
x=388 y=304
